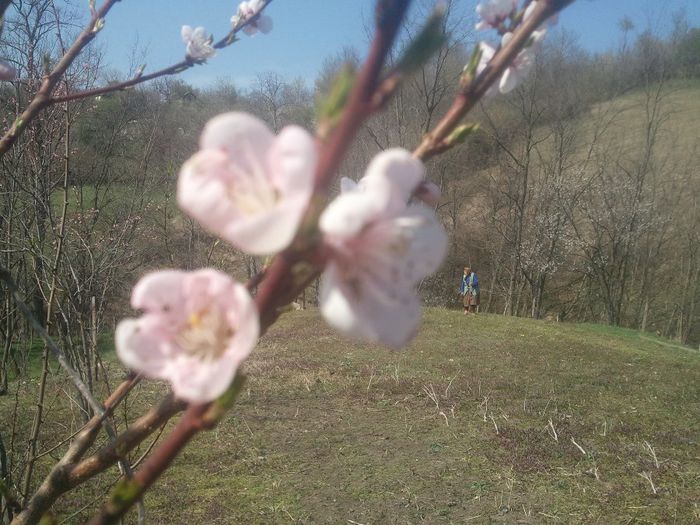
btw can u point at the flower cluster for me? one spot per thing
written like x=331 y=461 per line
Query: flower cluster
x=196 y=329
x=246 y=185
x=253 y=188
x=249 y=11
x=494 y=14
x=380 y=248
x=197 y=43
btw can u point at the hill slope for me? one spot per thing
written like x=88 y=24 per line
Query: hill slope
x=331 y=431
x=537 y=423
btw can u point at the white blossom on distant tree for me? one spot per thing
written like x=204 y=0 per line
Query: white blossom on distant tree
x=521 y=65
x=518 y=69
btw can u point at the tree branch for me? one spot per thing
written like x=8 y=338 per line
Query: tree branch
x=434 y=142
x=175 y=69
x=284 y=278
x=42 y=98
x=277 y=288
x=56 y=483
x=55 y=350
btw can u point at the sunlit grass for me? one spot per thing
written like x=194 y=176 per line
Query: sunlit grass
x=486 y=418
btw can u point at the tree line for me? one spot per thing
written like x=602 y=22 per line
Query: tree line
x=575 y=199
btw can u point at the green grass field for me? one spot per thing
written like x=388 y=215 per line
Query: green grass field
x=481 y=420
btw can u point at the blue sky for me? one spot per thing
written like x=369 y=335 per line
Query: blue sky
x=307 y=31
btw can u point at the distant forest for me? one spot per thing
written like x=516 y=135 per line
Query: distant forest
x=576 y=199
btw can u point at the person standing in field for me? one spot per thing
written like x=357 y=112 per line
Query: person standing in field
x=470 y=291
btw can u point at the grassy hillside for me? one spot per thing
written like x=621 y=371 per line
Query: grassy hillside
x=529 y=422
x=678 y=109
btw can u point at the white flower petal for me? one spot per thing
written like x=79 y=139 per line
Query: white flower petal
x=200 y=35
x=363 y=311
x=409 y=246
x=186 y=34
x=264 y=24
x=393 y=175
x=140 y=346
x=292 y=160
x=509 y=81
x=269 y=232
x=158 y=292
x=347 y=184
x=349 y=213
x=243 y=137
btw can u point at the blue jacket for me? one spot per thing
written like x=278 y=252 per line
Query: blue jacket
x=470 y=283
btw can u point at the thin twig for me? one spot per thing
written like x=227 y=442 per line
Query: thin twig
x=652 y=452
x=196 y=419
x=578 y=446
x=174 y=69
x=55 y=350
x=553 y=431
x=57 y=482
x=647 y=476
x=150 y=447
x=434 y=142
x=42 y=98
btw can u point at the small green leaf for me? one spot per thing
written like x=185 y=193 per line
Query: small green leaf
x=460 y=134
x=331 y=107
x=470 y=69
x=99 y=24
x=428 y=41
x=125 y=491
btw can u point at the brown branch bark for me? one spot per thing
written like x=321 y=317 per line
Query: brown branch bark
x=42 y=99
x=434 y=142
x=175 y=69
x=56 y=483
x=281 y=280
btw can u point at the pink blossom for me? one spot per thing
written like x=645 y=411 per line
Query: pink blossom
x=198 y=43
x=246 y=11
x=493 y=12
x=7 y=72
x=487 y=53
x=379 y=248
x=246 y=185
x=522 y=64
x=195 y=331
x=428 y=192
